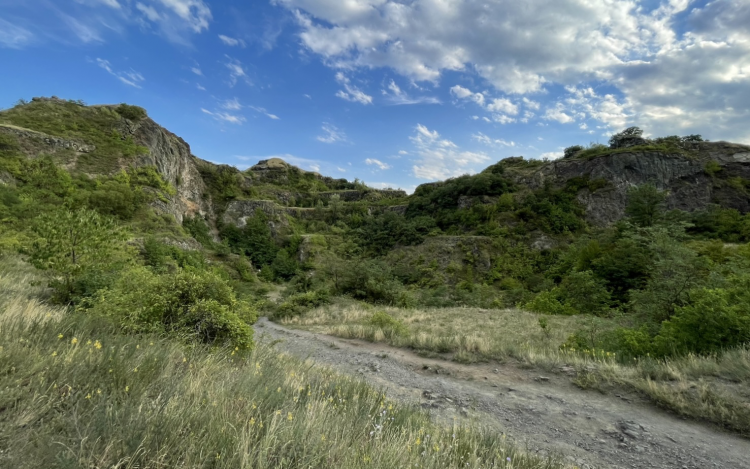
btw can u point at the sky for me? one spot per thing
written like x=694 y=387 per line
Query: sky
x=392 y=92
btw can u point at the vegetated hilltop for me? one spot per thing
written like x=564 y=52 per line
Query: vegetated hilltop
x=639 y=248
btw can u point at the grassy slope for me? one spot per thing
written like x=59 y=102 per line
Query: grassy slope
x=715 y=389
x=74 y=392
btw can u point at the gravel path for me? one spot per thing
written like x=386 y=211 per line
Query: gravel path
x=544 y=413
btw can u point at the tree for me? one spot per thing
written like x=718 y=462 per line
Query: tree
x=71 y=243
x=336 y=206
x=629 y=134
x=645 y=204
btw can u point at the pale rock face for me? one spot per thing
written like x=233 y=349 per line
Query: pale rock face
x=688 y=185
x=172 y=158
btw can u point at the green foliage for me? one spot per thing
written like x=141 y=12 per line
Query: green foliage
x=379 y=233
x=712 y=167
x=550 y=302
x=645 y=204
x=721 y=223
x=96 y=126
x=572 y=150
x=254 y=239
x=133 y=113
x=631 y=132
x=284 y=265
x=715 y=319
x=163 y=257
x=197 y=227
x=71 y=244
x=297 y=304
x=586 y=293
x=388 y=323
x=188 y=303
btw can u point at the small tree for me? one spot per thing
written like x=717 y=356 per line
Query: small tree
x=645 y=204
x=628 y=134
x=71 y=243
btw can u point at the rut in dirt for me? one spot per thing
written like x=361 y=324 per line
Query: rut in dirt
x=544 y=413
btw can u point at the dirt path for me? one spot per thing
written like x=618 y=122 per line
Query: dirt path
x=545 y=413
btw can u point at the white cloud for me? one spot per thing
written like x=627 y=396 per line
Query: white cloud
x=464 y=93
x=130 y=77
x=232 y=104
x=440 y=158
x=230 y=41
x=497 y=142
x=265 y=112
x=671 y=65
x=396 y=96
x=149 y=12
x=85 y=32
x=236 y=71
x=502 y=119
x=378 y=163
x=13 y=36
x=176 y=19
x=198 y=85
x=197 y=71
x=502 y=105
x=558 y=114
x=225 y=116
x=331 y=134
x=352 y=93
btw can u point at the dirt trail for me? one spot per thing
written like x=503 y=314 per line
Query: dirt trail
x=542 y=412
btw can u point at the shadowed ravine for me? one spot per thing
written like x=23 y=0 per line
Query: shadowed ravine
x=541 y=411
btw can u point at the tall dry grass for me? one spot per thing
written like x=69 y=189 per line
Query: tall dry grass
x=75 y=392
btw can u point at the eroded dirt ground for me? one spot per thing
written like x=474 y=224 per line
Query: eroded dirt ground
x=542 y=412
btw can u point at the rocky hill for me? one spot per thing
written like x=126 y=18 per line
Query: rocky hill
x=105 y=139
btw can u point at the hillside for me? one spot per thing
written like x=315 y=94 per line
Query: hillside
x=627 y=265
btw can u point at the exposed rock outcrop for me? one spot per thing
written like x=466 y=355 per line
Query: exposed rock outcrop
x=689 y=185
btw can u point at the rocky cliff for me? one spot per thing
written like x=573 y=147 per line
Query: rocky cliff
x=709 y=173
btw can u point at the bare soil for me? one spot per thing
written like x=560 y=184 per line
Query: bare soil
x=544 y=413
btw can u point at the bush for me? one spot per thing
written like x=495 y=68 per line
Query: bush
x=388 y=323
x=297 y=304
x=715 y=319
x=133 y=113
x=548 y=302
x=586 y=293
x=571 y=151
x=193 y=304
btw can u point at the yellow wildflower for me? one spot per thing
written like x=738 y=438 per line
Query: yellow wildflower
x=127 y=388
x=60 y=336
x=88 y=396
x=289 y=416
x=98 y=345
x=54 y=354
x=74 y=341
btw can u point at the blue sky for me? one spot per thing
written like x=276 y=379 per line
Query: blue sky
x=393 y=92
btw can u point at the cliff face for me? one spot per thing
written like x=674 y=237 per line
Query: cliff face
x=691 y=183
x=172 y=157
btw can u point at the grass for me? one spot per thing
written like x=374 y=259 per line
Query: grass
x=75 y=392
x=714 y=389
x=92 y=125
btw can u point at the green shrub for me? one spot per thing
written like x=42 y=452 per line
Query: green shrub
x=715 y=320
x=133 y=113
x=197 y=227
x=388 y=323
x=571 y=151
x=193 y=304
x=548 y=302
x=297 y=304
x=586 y=293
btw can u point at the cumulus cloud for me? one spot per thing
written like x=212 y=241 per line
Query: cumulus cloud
x=672 y=65
x=439 y=158
x=129 y=77
x=378 y=163
x=331 y=134
x=351 y=92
